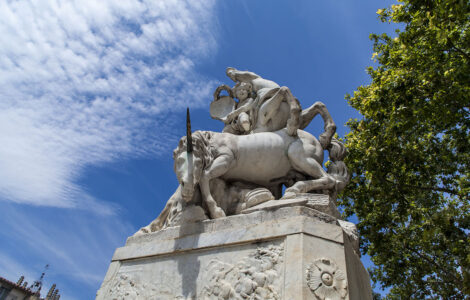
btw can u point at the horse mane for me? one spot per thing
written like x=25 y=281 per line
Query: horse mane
x=201 y=147
x=337 y=150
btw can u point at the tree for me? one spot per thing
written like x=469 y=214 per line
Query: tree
x=409 y=154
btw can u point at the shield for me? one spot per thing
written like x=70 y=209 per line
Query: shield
x=221 y=107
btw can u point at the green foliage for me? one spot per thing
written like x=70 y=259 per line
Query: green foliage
x=410 y=153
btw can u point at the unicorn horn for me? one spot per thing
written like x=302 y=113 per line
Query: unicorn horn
x=189 y=140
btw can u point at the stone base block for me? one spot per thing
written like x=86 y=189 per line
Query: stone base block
x=292 y=252
x=319 y=202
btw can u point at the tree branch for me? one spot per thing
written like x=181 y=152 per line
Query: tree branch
x=458 y=282
x=454 y=46
x=426 y=188
x=458 y=49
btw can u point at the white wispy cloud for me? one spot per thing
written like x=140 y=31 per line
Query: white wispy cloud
x=81 y=83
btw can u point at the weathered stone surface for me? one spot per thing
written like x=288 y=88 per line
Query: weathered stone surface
x=351 y=232
x=319 y=202
x=231 y=230
x=228 y=232
x=260 y=255
x=261 y=150
x=326 y=280
x=228 y=273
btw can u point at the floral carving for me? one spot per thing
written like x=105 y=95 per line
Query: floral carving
x=326 y=280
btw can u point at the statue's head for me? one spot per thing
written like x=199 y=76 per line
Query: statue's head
x=191 y=157
x=188 y=167
x=242 y=90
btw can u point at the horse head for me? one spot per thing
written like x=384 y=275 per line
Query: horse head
x=191 y=157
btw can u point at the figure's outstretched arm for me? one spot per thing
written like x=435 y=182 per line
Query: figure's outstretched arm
x=243 y=76
x=244 y=108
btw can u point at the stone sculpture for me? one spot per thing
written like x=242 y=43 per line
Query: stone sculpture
x=224 y=173
x=253 y=277
x=326 y=280
x=254 y=215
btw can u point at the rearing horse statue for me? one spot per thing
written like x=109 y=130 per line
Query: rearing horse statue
x=260 y=158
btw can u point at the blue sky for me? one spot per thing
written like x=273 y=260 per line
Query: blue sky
x=92 y=103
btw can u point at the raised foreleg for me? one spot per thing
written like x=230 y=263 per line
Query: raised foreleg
x=270 y=109
x=293 y=123
x=219 y=167
x=307 y=116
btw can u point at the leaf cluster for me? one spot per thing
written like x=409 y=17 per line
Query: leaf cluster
x=410 y=152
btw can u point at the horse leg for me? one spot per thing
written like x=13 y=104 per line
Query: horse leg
x=300 y=159
x=271 y=106
x=293 y=122
x=330 y=127
x=218 y=168
x=324 y=181
x=270 y=109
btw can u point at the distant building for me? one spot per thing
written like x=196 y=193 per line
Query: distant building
x=20 y=290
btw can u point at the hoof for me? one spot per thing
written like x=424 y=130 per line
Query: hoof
x=292 y=127
x=218 y=213
x=289 y=195
x=292 y=131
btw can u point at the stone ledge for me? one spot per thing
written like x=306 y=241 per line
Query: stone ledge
x=255 y=217
x=318 y=202
x=238 y=229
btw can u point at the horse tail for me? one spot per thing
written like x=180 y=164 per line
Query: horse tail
x=337 y=168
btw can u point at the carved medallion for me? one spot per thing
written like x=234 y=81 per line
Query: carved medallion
x=326 y=280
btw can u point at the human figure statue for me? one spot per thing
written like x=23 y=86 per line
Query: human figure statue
x=273 y=107
x=238 y=121
x=262 y=148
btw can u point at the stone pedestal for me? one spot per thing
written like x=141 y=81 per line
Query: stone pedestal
x=283 y=252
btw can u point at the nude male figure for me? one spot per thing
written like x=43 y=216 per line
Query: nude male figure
x=276 y=106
